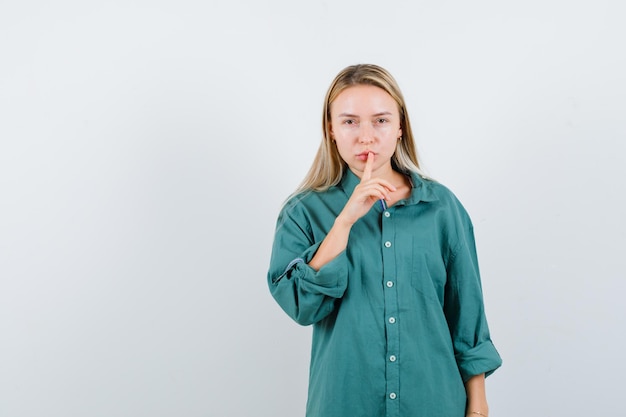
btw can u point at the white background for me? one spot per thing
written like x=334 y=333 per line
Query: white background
x=146 y=147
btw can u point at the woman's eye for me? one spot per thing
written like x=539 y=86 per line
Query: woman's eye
x=381 y=121
x=349 y=122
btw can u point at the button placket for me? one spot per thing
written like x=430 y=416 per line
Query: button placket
x=392 y=372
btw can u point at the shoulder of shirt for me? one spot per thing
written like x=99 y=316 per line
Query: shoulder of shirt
x=439 y=191
x=304 y=200
x=295 y=200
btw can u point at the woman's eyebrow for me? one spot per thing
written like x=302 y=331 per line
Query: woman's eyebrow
x=382 y=113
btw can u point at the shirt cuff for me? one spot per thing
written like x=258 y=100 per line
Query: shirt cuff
x=331 y=279
x=483 y=358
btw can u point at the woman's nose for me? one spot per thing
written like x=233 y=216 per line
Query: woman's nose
x=366 y=134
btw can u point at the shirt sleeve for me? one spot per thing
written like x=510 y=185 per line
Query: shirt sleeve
x=305 y=294
x=464 y=309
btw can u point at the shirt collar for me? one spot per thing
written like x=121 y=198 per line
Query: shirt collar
x=422 y=189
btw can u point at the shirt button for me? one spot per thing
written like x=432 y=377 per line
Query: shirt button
x=392 y=320
x=389 y=284
x=387 y=214
x=392 y=358
x=393 y=395
x=387 y=244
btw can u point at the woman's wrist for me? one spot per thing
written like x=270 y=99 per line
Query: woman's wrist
x=476 y=397
x=477 y=410
x=342 y=222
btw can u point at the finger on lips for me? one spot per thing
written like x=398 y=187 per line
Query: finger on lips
x=367 y=175
x=367 y=172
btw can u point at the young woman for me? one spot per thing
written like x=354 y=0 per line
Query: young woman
x=381 y=261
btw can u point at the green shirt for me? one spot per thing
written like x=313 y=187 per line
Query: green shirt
x=398 y=317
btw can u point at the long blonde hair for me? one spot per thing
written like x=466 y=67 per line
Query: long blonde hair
x=328 y=167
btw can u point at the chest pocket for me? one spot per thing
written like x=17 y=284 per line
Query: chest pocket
x=428 y=273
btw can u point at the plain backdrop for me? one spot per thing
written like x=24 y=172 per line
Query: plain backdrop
x=146 y=147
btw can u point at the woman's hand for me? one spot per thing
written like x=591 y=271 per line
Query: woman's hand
x=360 y=202
x=365 y=194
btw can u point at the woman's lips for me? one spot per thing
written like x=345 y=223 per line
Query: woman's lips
x=363 y=155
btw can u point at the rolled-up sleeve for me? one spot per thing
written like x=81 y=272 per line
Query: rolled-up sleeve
x=305 y=294
x=464 y=309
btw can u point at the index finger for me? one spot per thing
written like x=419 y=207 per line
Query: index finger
x=367 y=172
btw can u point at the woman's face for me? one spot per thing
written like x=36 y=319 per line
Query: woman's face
x=364 y=119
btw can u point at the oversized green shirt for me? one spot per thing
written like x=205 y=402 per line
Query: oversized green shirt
x=398 y=317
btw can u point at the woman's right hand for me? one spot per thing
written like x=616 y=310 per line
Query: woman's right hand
x=360 y=202
x=368 y=192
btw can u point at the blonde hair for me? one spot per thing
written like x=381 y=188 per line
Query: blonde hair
x=328 y=167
